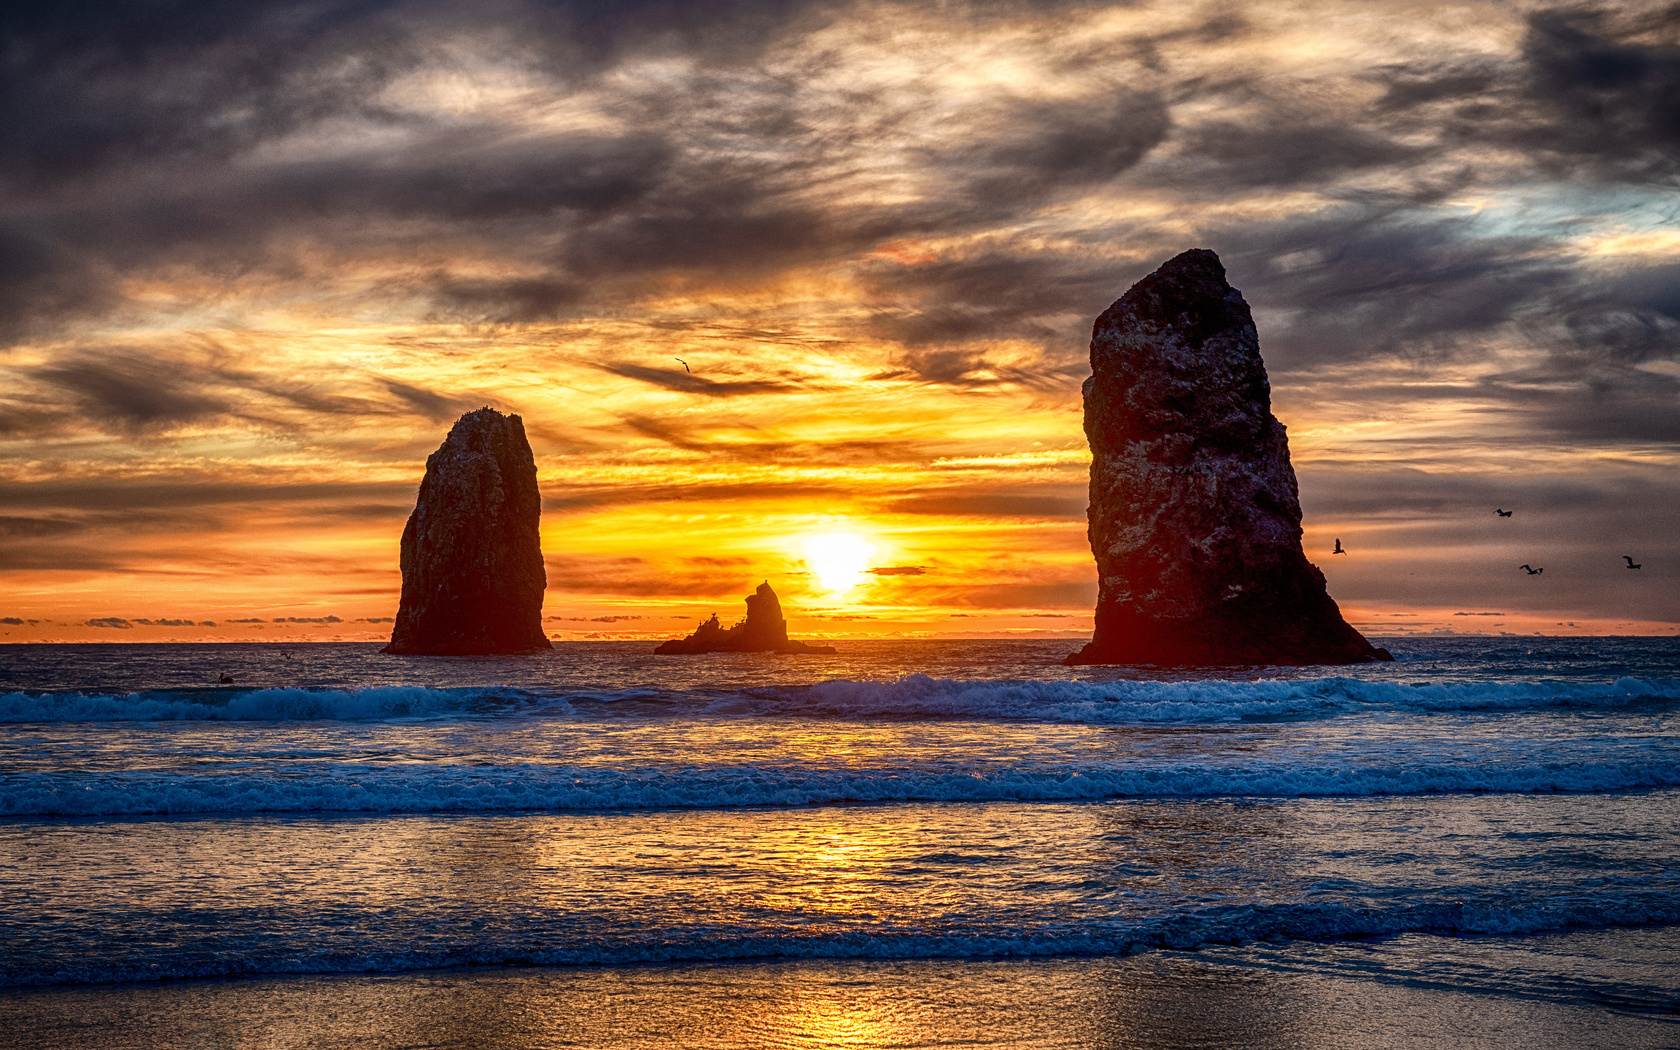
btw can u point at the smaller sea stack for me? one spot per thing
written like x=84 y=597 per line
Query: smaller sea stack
x=472 y=564
x=763 y=631
x=1195 y=520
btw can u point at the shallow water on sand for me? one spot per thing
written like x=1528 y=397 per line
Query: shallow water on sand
x=939 y=842
x=1562 y=991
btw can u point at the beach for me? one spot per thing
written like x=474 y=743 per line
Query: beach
x=909 y=844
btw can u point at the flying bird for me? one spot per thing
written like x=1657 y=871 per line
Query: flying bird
x=1338 y=549
x=1503 y=513
x=1631 y=563
x=1532 y=572
x=680 y=361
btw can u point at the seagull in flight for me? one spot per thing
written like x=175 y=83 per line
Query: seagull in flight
x=1631 y=563
x=1532 y=572
x=1338 y=549
x=680 y=361
x=1502 y=512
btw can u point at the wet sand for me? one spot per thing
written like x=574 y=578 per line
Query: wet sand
x=1604 y=988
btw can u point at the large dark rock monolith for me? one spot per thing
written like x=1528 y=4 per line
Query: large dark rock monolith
x=472 y=562
x=1195 y=519
x=763 y=631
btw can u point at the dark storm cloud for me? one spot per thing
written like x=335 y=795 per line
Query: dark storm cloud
x=96 y=86
x=1030 y=148
x=1372 y=282
x=131 y=393
x=1609 y=98
x=999 y=295
x=1287 y=149
x=1591 y=93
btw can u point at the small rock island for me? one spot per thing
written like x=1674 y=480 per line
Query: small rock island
x=472 y=566
x=763 y=631
x=1195 y=518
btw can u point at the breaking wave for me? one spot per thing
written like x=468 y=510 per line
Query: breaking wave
x=908 y=697
x=432 y=789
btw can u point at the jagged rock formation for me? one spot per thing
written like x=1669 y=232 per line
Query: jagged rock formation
x=1195 y=519
x=472 y=562
x=763 y=631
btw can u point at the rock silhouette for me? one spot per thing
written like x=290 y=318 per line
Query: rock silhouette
x=763 y=631
x=472 y=562
x=1195 y=519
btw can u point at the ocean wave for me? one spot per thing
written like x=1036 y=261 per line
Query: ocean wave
x=908 y=697
x=436 y=789
x=1126 y=702
x=254 y=705
x=1187 y=930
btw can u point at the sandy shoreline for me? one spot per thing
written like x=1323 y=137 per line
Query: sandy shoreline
x=1604 y=988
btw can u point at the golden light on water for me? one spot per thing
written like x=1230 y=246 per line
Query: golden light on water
x=838 y=559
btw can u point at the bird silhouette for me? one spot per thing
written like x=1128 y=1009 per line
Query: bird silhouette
x=680 y=361
x=1631 y=563
x=226 y=679
x=1532 y=572
x=1503 y=513
x=1338 y=549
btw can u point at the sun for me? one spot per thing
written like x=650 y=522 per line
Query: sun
x=839 y=559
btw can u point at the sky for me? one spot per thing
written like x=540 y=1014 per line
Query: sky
x=803 y=292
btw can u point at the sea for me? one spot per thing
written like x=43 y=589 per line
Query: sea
x=908 y=844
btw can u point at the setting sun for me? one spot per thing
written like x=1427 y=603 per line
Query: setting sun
x=838 y=559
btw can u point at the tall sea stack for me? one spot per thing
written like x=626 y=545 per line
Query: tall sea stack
x=472 y=563
x=1195 y=519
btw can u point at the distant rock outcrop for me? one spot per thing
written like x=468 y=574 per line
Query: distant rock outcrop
x=763 y=631
x=472 y=562
x=1195 y=519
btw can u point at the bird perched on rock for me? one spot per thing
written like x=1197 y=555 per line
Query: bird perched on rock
x=1631 y=563
x=1532 y=572
x=1502 y=512
x=1338 y=549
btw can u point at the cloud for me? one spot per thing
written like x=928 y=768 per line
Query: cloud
x=116 y=622
x=130 y=392
x=12 y=620
x=896 y=570
x=679 y=379
x=306 y=619
x=1610 y=99
x=997 y=504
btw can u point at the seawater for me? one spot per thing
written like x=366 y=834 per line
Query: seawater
x=337 y=811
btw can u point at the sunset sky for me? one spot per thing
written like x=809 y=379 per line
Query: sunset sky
x=255 y=257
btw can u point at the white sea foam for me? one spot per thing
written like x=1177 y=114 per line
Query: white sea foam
x=1210 y=701
x=279 y=704
x=423 y=789
x=911 y=696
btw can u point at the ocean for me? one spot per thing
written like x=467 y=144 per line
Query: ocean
x=910 y=843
